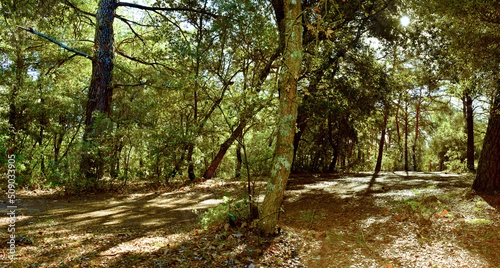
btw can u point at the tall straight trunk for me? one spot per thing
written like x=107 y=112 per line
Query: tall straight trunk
x=470 y=132
x=302 y=125
x=100 y=90
x=191 y=174
x=488 y=169
x=381 y=144
x=406 y=137
x=239 y=161
x=292 y=57
x=414 y=147
x=190 y=151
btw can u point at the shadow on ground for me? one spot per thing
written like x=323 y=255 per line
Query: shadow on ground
x=402 y=219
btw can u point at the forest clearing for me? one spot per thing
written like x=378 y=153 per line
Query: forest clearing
x=250 y=133
x=329 y=220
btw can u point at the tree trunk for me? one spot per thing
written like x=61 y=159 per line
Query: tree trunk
x=488 y=170
x=100 y=91
x=209 y=173
x=301 y=124
x=406 y=137
x=239 y=161
x=470 y=132
x=287 y=116
x=381 y=144
x=335 y=157
x=191 y=174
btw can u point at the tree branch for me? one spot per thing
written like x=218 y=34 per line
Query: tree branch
x=79 y=53
x=129 y=85
x=141 y=61
x=78 y=9
x=133 y=31
x=124 y=4
x=135 y=22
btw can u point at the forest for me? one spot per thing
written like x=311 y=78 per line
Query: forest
x=251 y=133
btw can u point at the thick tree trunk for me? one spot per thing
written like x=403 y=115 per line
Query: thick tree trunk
x=100 y=90
x=381 y=144
x=488 y=170
x=287 y=116
x=470 y=132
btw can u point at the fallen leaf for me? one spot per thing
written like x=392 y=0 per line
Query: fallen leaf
x=388 y=266
x=329 y=33
x=444 y=212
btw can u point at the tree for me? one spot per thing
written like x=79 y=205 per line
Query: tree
x=100 y=92
x=291 y=35
x=475 y=32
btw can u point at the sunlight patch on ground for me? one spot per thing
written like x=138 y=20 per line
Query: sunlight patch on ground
x=373 y=221
x=146 y=244
x=99 y=213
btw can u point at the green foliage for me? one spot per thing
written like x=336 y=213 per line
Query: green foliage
x=229 y=211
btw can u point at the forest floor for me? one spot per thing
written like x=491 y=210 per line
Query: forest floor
x=329 y=220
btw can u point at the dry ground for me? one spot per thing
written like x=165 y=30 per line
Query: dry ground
x=330 y=220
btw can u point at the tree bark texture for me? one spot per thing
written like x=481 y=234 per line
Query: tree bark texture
x=292 y=59
x=100 y=90
x=470 y=132
x=488 y=170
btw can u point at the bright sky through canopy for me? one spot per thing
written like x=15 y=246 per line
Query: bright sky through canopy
x=405 y=21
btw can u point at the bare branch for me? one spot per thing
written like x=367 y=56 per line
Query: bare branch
x=59 y=63
x=78 y=9
x=129 y=85
x=79 y=53
x=154 y=64
x=124 y=4
x=133 y=31
x=135 y=22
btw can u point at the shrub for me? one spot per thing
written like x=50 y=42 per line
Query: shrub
x=230 y=211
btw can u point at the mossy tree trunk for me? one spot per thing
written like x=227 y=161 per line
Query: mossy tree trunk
x=292 y=59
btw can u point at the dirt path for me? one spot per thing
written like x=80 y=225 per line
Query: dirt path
x=393 y=220
x=330 y=220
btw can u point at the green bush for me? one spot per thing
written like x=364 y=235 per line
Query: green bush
x=229 y=211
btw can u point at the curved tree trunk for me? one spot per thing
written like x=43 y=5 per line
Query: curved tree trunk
x=209 y=173
x=292 y=27
x=100 y=90
x=488 y=170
